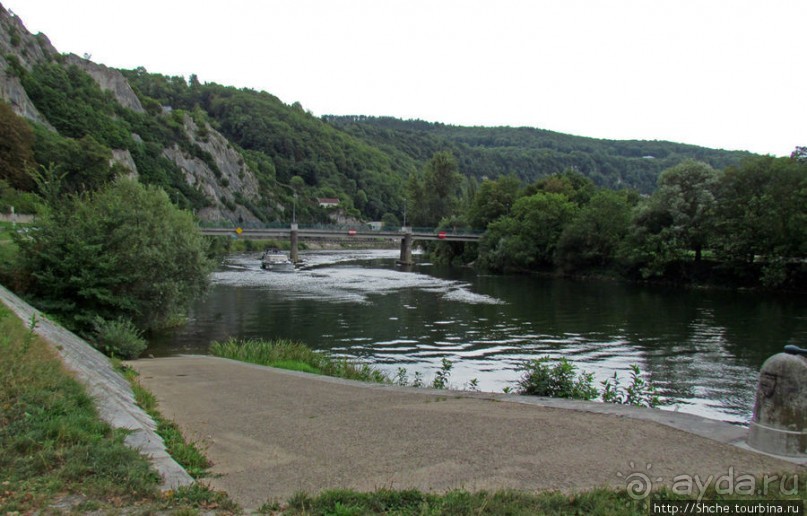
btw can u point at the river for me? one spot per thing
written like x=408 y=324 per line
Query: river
x=701 y=348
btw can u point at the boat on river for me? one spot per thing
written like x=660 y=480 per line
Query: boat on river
x=276 y=261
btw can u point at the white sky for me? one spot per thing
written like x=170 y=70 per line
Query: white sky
x=719 y=73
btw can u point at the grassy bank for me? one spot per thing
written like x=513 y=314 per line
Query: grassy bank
x=286 y=354
x=187 y=454
x=55 y=452
x=602 y=501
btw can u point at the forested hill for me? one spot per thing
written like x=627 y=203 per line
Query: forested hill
x=532 y=153
x=233 y=154
x=282 y=142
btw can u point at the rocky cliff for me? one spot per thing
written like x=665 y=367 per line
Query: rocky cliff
x=110 y=80
x=219 y=183
x=225 y=179
x=19 y=49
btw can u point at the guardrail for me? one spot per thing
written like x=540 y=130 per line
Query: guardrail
x=342 y=228
x=345 y=232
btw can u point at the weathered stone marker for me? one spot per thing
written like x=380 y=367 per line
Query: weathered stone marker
x=779 y=423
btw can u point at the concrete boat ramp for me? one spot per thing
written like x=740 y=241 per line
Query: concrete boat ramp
x=271 y=433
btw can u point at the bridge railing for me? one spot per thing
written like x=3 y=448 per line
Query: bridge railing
x=336 y=228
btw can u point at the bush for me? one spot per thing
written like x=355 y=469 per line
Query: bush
x=124 y=251
x=639 y=392
x=120 y=338
x=556 y=381
x=562 y=381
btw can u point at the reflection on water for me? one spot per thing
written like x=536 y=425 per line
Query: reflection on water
x=702 y=348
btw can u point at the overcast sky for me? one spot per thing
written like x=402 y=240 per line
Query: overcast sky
x=719 y=73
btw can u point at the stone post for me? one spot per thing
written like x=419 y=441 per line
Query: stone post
x=406 y=247
x=779 y=423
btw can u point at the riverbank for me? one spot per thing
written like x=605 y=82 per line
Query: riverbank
x=56 y=453
x=272 y=433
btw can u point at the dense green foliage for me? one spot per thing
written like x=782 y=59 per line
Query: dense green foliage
x=75 y=105
x=122 y=251
x=745 y=226
x=16 y=149
x=434 y=193
x=531 y=153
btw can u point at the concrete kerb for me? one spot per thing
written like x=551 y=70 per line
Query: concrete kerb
x=712 y=429
x=111 y=392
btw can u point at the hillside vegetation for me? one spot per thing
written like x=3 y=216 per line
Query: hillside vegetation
x=531 y=153
x=240 y=155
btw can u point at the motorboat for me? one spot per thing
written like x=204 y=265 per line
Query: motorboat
x=276 y=261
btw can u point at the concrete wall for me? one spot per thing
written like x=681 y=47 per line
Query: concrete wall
x=16 y=217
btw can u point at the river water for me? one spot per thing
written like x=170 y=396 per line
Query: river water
x=701 y=348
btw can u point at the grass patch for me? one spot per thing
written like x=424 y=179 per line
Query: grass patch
x=602 y=501
x=286 y=354
x=51 y=438
x=187 y=454
x=56 y=455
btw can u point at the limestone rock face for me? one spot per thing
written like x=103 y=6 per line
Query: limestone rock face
x=224 y=178
x=110 y=80
x=15 y=40
x=11 y=91
x=28 y=50
x=230 y=175
x=124 y=157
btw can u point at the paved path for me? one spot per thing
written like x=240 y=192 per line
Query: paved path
x=271 y=433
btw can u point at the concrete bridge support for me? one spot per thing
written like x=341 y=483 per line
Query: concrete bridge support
x=293 y=252
x=406 y=248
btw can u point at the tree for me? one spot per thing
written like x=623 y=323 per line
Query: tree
x=799 y=154
x=16 y=149
x=124 y=251
x=493 y=200
x=687 y=192
x=389 y=220
x=434 y=194
x=761 y=211
x=593 y=237
x=528 y=237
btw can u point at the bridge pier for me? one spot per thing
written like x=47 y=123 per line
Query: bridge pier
x=293 y=254
x=406 y=247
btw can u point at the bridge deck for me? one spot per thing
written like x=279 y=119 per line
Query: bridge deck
x=341 y=234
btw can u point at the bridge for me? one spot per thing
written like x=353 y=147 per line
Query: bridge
x=294 y=232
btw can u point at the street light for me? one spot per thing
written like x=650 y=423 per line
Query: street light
x=294 y=202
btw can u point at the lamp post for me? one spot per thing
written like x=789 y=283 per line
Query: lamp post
x=293 y=233
x=294 y=201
